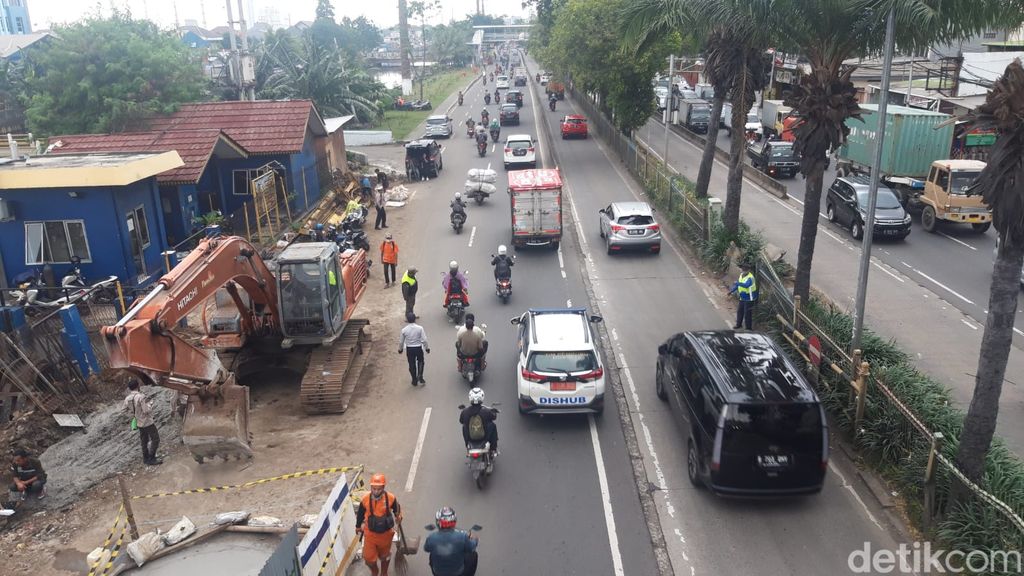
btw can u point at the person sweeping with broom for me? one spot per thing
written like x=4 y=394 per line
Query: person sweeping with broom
x=376 y=519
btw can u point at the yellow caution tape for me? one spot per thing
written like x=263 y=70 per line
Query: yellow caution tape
x=330 y=550
x=110 y=536
x=115 y=550
x=251 y=483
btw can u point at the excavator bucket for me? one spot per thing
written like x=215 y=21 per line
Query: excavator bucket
x=219 y=426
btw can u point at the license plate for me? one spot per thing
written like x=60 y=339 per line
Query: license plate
x=773 y=461
x=638 y=232
x=519 y=152
x=563 y=386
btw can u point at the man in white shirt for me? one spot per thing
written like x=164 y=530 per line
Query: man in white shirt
x=414 y=342
x=141 y=410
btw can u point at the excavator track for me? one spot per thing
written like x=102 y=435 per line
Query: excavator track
x=334 y=371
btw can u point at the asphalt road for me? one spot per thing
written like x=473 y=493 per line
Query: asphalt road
x=954 y=262
x=563 y=499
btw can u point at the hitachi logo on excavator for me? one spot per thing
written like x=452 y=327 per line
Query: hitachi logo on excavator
x=187 y=298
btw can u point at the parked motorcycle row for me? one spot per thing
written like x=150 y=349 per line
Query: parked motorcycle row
x=38 y=299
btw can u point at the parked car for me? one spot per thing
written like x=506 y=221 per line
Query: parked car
x=501 y=83
x=629 y=225
x=847 y=203
x=515 y=97
x=423 y=159
x=439 y=126
x=519 y=149
x=509 y=114
x=574 y=125
x=754 y=426
x=559 y=366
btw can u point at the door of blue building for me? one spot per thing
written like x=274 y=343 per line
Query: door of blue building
x=138 y=237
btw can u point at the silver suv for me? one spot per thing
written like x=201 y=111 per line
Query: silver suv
x=438 y=126
x=630 y=225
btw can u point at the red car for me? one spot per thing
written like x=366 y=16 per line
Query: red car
x=574 y=125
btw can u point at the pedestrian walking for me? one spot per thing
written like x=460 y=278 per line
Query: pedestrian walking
x=413 y=342
x=409 y=289
x=367 y=191
x=376 y=518
x=746 y=290
x=141 y=410
x=389 y=260
x=381 y=200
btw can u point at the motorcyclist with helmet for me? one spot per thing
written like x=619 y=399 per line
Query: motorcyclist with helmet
x=460 y=97
x=455 y=282
x=485 y=117
x=471 y=342
x=487 y=414
x=497 y=96
x=481 y=134
x=452 y=551
x=503 y=264
x=495 y=129
x=487 y=98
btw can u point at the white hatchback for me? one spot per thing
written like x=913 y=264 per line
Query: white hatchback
x=501 y=83
x=520 y=149
x=559 y=369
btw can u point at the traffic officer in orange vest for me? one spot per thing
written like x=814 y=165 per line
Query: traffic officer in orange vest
x=376 y=519
x=389 y=260
x=746 y=290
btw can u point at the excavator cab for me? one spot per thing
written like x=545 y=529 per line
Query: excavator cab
x=311 y=292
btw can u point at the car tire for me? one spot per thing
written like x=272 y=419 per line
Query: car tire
x=659 y=386
x=982 y=227
x=506 y=165
x=693 y=463
x=856 y=230
x=600 y=230
x=830 y=212
x=564 y=137
x=928 y=219
x=533 y=164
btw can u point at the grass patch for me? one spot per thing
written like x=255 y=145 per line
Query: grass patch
x=403 y=123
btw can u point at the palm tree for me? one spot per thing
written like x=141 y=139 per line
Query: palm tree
x=1002 y=186
x=733 y=65
x=830 y=32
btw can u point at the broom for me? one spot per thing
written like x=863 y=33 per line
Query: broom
x=405 y=549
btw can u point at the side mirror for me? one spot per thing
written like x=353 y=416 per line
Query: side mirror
x=462 y=406
x=476 y=528
x=514 y=321
x=596 y=319
x=429 y=527
x=662 y=350
x=483 y=327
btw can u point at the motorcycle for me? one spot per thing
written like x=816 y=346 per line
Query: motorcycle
x=460 y=99
x=487 y=99
x=30 y=294
x=470 y=129
x=479 y=456
x=495 y=133
x=458 y=220
x=551 y=104
x=456 y=308
x=497 y=97
x=503 y=286
x=471 y=368
x=481 y=147
x=485 y=118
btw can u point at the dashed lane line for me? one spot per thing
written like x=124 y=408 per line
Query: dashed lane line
x=606 y=500
x=472 y=235
x=419 y=450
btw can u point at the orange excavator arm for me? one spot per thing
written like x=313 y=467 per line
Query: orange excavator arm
x=143 y=341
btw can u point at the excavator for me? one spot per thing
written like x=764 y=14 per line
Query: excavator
x=298 y=318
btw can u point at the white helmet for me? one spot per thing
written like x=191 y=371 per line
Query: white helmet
x=453 y=265
x=502 y=250
x=458 y=195
x=476 y=396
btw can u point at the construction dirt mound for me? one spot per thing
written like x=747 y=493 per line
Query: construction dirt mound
x=107 y=446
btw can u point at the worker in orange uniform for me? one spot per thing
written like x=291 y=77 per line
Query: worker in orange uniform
x=376 y=519
x=389 y=260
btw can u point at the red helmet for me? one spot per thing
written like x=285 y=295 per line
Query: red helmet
x=378 y=480
x=445 y=518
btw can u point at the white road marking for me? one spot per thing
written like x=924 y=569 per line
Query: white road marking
x=493 y=144
x=488 y=165
x=563 y=274
x=856 y=496
x=561 y=261
x=965 y=244
x=472 y=234
x=1018 y=332
x=969 y=324
x=606 y=500
x=886 y=270
x=940 y=284
x=568 y=303
x=419 y=449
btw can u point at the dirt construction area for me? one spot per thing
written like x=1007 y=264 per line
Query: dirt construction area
x=53 y=536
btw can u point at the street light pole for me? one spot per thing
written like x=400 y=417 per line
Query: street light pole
x=869 y=226
x=668 y=107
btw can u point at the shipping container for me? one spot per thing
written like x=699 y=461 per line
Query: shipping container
x=913 y=140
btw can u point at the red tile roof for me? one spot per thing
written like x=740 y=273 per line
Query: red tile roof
x=261 y=127
x=194 y=146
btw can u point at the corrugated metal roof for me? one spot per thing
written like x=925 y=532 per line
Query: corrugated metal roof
x=261 y=127
x=194 y=146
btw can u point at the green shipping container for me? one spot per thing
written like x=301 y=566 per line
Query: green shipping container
x=912 y=141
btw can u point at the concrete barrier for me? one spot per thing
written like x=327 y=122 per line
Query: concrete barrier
x=770 y=184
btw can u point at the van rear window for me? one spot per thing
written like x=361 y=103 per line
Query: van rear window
x=794 y=428
x=561 y=362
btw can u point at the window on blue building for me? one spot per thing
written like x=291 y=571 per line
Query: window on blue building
x=55 y=242
x=242 y=183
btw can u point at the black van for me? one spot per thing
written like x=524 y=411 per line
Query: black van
x=756 y=427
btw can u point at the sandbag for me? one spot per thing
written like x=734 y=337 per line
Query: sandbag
x=231 y=517
x=482 y=175
x=264 y=521
x=99 y=557
x=183 y=529
x=143 y=549
x=308 y=520
x=484 y=187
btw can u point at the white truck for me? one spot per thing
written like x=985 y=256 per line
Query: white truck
x=773 y=116
x=536 y=206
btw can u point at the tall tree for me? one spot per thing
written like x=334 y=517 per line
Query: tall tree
x=105 y=74
x=325 y=10
x=1002 y=186
x=830 y=32
x=449 y=45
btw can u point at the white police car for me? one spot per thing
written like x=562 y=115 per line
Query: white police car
x=559 y=369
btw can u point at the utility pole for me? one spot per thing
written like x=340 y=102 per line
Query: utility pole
x=236 y=58
x=670 y=102
x=423 y=39
x=404 y=46
x=248 y=90
x=869 y=226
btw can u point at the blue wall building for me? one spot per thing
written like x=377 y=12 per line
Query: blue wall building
x=14 y=17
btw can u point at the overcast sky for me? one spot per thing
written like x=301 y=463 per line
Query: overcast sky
x=45 y=13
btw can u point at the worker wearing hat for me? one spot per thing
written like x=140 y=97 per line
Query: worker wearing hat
x=409 y=289
x=376 y=519
x=746 y=290
x=389 y=260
